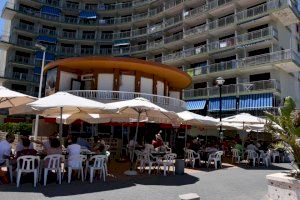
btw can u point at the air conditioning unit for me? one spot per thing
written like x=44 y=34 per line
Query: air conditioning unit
x=87 y=77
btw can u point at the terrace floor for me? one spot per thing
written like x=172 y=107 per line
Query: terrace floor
x=230 y=182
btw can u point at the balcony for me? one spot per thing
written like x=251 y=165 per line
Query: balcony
x=26 y=27
x=221 y=44
x=121 y=51
x=106 y=36
x=195 y=12
x=106 y=96
x=87 y=51
x=121 y=35
x=69 y=35
x=23 y=77
x=105 y=51
x=138 y=48
x=220 y=23
x=155 y=44
x=217 y=3
x=88 y=36
x=24 y=43
x=173 y=38
x=139 y=32
x=46 y=31
x=23 y=60
x=173 y=21
x=140 y=17
x=288 y=60
x=69 y=51
x=264 y=86
x=172 y=3
x=258 y=35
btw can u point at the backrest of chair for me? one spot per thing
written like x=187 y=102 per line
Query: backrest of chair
x=149 y=148
x=190 y=153
x=106 y=147
x=53 y=161
x=218 y=154
x=29 y=163
x=235 y=152
x=170 y=157
x=139 y=154
x=251 y=154
x=99 y=160
x=77 y=160
x=146 y=156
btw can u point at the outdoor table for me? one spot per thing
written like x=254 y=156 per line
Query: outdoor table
x=158 y=154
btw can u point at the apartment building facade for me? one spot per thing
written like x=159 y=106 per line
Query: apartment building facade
x=252 y=44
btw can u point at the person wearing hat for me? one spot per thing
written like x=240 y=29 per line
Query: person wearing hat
x=158 y=142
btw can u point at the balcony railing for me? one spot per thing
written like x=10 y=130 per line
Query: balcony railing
x=155 y=44
x=196 y=11
x=87 y=51
x=137 y=48
x=217 y=3
x=26 y=27
x=173 y=38
x=88 y=36
x=196 y=30
x=257 y=35
x=172 y=3
x=46 y=31
x=69 y=35
x=23 y=77
x=271 y=85
x=168 y=103
x=23 y=60
x=220 y=23
x=123 y=50
x=67 y=50
x=24 y=43
x=139 y=32
x=173 y=20
x=247 y=62
x=221 y=44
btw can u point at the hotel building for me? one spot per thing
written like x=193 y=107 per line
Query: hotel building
x=252 y=44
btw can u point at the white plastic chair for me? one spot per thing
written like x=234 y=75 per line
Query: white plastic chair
x=252 y=155
x=53 y=163
x=215 y=157
x=77 y=161
x=264 y=158
x=191 y=156
x=149 y=148
x=28 y=164
x=106 y=147
x=139 y=159
x=148 y=160
x=99 y=162
x=275 y=154
x=168 y=161
x=236 y=158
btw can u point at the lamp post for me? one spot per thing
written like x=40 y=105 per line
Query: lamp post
x=220 y=81
x=36 y=124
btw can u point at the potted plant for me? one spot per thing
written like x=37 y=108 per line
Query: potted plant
x=288 y=128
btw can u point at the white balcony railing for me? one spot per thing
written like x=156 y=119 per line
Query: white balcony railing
x=257 y=35
x=105 y=96
x=271 y=85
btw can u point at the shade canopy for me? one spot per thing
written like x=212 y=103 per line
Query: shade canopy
x=52 y=104
x=145 y=108
x=191 y=118
x=10 y=98
x=244 y=118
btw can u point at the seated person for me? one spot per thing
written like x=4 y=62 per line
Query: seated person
x=20 y=146
x=55 y=147
x=239 y=147
x=5 y=148
x=195 y=145
x=101 y=150
x=158 y=142
x=252 y=147
x=45 y=144
x=73 y=150
x=83 y=143
x=26 y=151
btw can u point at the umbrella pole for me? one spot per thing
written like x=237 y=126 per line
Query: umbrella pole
x=61 y=124
x=185 y=136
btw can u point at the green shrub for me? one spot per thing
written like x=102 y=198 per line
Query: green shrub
x=21 y=128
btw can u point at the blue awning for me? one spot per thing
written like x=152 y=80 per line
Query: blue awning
x=121 y=43
x=48 y=56
x=37 y=70
x=45 y=38
x=195 y=105
x=50 y=11
x=256 y=101
x=228 y=104
x=88 y=14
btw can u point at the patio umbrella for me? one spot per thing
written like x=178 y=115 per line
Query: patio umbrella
x=64 y=103
x=142 y=108
x=10 y=98
x=194 y=119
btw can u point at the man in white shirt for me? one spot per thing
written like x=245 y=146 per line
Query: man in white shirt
x=73 y=150
x=5 y=147
x=252 y=147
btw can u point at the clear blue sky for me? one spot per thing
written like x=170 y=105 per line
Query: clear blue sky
x=2 y=3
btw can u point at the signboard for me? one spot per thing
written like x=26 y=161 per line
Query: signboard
x=50 y=81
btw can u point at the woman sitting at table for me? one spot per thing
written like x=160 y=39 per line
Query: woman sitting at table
x=158 y=142
x=55 y=147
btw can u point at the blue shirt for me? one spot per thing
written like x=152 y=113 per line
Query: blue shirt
x=83 y=143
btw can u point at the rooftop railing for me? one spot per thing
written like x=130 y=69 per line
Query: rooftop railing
x=168 y=103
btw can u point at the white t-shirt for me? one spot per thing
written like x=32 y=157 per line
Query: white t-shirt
x=5 y=150
x=252 y=147
x=20 y=146
x=73 y=149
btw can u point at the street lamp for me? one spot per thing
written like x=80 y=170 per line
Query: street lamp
x=42 y=48
x=220 y=81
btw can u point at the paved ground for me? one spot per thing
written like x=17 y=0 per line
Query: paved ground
x=232 y=183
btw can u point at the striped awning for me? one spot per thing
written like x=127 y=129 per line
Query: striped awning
x=256 y=101
x=50 y=11
x=195 y=105
x=48 y=56
x=45 y=38
x=228 y=104
x=88 y=14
